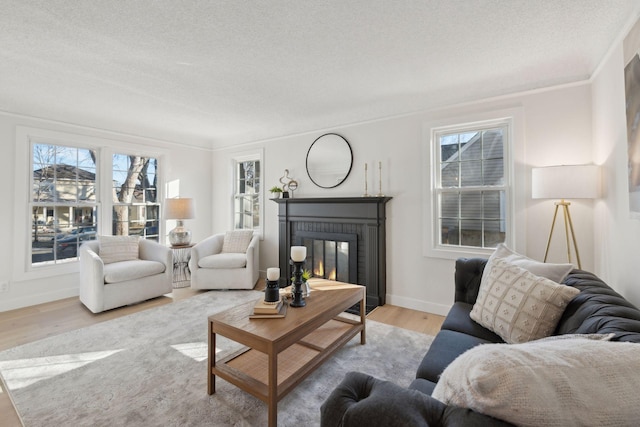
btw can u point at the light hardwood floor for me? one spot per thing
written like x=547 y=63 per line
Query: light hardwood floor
x=40 y=321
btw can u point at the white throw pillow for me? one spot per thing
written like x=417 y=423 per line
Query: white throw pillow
x=118 y=248
x=555 y=272
x=236 y=241
x=518 y=305
x=567 y=382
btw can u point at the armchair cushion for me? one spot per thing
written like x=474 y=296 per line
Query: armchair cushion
x=118 y=248
x=236 y=241
x=224 y=260
x=130 y=270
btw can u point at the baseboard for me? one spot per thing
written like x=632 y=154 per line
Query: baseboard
x=414 y=304
x=30 y=300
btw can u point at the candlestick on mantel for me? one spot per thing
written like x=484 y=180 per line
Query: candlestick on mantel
x=380 y=180
x=366 y=193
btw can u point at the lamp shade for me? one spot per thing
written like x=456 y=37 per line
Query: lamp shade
x=182 y=208
x=566 y=182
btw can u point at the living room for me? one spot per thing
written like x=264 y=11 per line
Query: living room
x=573 y=119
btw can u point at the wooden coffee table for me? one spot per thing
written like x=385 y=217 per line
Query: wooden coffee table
x=280 y=353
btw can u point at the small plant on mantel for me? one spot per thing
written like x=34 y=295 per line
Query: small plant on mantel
x=275 y=191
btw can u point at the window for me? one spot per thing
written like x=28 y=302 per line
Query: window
x=247 y=194
x=63 y=202
x=470 y=186
x=136 y=210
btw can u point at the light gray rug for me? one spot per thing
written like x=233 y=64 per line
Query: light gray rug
x=149 y=369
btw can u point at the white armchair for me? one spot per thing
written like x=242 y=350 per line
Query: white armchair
x=214 y=266
x=143 y=275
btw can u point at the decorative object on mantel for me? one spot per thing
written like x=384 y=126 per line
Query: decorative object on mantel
x=329 y=160
x=272 y=292
x=179 y=209
x=288 y=184
x=275 y=191
x=379 y=180
x=565 y=182
x=366 y=190
x=298 y=255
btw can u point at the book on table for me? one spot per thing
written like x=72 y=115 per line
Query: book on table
x=263 y=308
x=277 y=315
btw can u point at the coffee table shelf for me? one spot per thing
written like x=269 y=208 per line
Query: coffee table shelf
x=281 y=353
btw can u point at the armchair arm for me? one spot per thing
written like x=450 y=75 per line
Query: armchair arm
x=91 y=286
x=253 y=255
x=209 y=246
x=154 y=251
x=361 y=400
x=467 y=279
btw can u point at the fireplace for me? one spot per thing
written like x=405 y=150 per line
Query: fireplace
x=332 y=256
x=345 y=239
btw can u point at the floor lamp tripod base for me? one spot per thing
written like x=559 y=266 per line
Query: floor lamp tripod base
x=568 y=229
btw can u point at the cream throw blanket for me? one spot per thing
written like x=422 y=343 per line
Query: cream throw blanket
x=558 y=381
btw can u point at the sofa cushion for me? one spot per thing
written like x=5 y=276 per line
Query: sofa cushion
x=554 y=272
x=236 y=241
x=458 y=319
x=226 y=260
x=422 y=385
x=559 y=382
x=118 y=248
x=130 y=270
x=444 y=349
x=518 y=305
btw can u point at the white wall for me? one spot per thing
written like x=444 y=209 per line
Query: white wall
x=187 y=166
x=556 y=129
x=617 y=235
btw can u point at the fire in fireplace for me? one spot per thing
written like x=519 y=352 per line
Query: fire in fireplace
x=331 y=256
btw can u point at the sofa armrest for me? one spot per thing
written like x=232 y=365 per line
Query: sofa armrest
x=467 y=279
x=361 y=400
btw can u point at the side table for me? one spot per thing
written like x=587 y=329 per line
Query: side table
x=181 y=272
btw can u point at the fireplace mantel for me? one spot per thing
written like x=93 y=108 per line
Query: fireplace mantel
x=364 y=216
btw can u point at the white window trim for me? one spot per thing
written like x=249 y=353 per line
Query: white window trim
x=514 y=166
x=236 y=158
x=104 y=147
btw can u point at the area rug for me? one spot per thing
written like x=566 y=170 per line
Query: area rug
x=149 y=369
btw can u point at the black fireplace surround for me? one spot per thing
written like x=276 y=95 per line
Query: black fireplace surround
x=358 y=220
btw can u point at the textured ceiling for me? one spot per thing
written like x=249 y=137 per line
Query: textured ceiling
x=215 y=73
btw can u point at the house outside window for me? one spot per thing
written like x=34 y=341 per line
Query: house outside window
x=470 y=186
x=247 y=194
x=136 y=208
x=63 y=202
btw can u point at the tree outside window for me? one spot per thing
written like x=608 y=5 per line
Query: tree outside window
x=136 y=210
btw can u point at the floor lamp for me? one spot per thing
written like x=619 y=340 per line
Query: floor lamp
x=565 y=182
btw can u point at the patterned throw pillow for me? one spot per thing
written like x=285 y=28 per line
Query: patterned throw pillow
x=118 y=248
x=236 y=241
x=518 y=305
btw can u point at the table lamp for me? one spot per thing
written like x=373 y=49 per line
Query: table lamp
x=179 y=209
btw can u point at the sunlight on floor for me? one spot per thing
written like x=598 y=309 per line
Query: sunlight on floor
x=198 y=351
x=24 y=372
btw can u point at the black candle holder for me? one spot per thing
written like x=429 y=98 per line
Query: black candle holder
x=272 y=292
x=298 y=268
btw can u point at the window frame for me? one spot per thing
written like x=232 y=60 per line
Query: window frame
x=105 y=147
x=512 y=120
x=257 y=155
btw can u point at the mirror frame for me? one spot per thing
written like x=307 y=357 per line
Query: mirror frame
x=319 y=141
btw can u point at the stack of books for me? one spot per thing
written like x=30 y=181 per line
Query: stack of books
x=263 y=310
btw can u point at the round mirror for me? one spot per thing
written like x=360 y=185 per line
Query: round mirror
x=329 y=160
